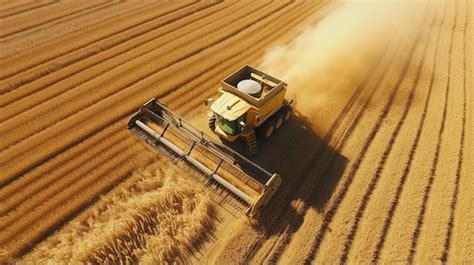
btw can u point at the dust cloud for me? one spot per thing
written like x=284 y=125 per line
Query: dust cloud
x=327 y=61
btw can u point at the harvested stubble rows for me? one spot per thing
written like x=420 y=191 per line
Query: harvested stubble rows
x=390 y=183
x=69 y=82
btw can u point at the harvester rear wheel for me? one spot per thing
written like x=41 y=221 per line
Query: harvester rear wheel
x=286 y=112
x=266 y=129
x=278 y=119
x=212 y=122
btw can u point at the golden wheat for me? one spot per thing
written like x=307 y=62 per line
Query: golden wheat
x=160 y=218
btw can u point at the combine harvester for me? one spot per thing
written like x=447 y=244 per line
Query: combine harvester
x=251 y=104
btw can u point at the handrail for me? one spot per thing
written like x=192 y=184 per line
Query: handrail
x=229 y=155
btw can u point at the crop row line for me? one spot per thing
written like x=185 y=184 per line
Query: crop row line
x=407 y=169
x=457 y=181
x=427 y=189
x=14 y=221
x=20 y=27
x=388 y=150
x=75 y=42
x=44 y=170
x=62 y=20
x=13 y=11
x=331 y=212
x=318 y=164
x=106 y=50
x=39 y=191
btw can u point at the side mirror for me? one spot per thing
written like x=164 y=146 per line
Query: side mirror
x=242 y=125
x=208 y=101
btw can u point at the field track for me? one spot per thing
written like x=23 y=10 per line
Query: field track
x=384 y=177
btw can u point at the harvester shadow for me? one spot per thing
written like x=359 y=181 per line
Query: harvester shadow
x=309 y=167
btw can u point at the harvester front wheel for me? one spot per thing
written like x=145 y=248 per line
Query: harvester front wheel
x=212 y=122
x=266 y=129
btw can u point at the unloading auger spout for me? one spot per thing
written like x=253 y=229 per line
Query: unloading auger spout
x=245 y=180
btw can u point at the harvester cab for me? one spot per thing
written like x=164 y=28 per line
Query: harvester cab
x=250 y=105
x=256 y=102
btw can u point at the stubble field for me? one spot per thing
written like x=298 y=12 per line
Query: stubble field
x=376 y=162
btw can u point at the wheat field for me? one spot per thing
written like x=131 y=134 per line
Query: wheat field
x=376 y=161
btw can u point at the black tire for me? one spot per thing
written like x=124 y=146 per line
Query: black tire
x=286 y=111
x=212 y=122
x=278 y=119
x=266 y=130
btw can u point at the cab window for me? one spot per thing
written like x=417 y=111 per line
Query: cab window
x=230 y=127
x=227 y=126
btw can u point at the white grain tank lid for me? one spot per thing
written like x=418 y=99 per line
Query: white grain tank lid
x=250 y=87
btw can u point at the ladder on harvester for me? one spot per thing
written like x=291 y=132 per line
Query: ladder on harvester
x=251 y=141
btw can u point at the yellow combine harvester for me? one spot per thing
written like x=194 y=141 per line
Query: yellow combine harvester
x=251 y=105
x=250 y=102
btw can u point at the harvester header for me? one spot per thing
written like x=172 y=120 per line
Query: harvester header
x=221 y=166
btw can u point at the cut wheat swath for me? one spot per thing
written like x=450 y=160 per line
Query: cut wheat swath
x=160 y=218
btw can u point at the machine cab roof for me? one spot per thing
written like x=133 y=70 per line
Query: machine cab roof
x=230 y=106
